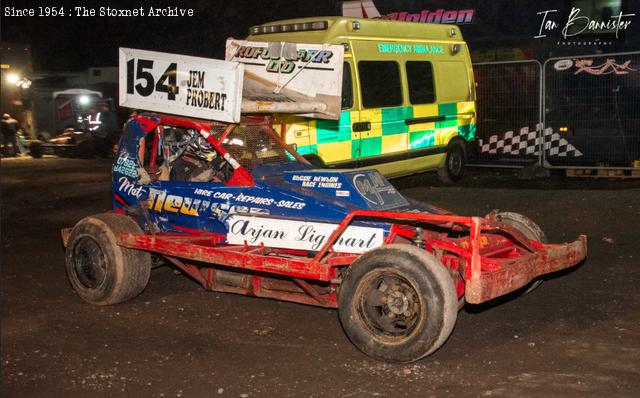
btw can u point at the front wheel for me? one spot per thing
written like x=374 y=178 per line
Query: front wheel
x=454 y=164
x=101 y=271
x=397 y=303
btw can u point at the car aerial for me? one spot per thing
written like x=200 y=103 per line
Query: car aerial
x=239 y=211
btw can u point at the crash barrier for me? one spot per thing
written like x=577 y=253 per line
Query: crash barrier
x=584 y=111
x=508 y=102
x=593 y=103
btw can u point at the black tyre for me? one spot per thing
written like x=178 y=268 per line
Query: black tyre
x=454 y=163
x=397 y=303
x=35 y=149
x=100 y=271
x=529 y=229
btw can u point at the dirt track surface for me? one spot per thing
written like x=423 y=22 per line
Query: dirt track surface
x=577 y=335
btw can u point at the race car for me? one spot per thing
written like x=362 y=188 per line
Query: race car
x=71 y=142
x=239 y=211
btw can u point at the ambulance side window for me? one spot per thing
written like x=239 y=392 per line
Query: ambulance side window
x=420 y=80
x=380 y=84
x=347 y=87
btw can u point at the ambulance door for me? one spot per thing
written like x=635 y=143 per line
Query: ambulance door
x=382 y=127
x=455 y=94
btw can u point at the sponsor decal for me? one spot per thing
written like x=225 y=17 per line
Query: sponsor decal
x=605 y=68
x=372 y=187
x=279 y=62
x=258 y=200
x=202 y=192
x=159 y=201
x=563 y=64
x=440 y=15
x=302 y=235
x=127 y=165
x=366 y=190
x=130 y=188
x=377 y=191
x=318 y=181
x=343 y=193
x=367 y=9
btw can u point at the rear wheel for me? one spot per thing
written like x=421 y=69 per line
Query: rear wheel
x=454 y=164
x=35 y=149
x=101 y=271
x=529 y=229
x=397 y=303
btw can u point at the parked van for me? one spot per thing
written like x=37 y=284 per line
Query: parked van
x=408 y=96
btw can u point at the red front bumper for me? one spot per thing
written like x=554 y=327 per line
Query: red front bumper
x=486 y=283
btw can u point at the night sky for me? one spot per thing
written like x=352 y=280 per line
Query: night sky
x=75 y=43
x=72 y=43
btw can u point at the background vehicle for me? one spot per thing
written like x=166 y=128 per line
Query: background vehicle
x=75 y=139
x=408 y=96
x=264 y=222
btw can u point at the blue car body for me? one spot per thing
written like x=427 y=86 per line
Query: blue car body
x=288 y=190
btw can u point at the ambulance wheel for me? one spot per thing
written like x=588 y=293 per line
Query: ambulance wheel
x=397 y=303
x=101 y=271
x=454 y=163
x=530 y=230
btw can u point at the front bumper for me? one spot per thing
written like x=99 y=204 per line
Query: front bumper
x=489 y=281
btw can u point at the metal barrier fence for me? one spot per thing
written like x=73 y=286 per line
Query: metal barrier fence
x=508 y=103
x=582 y=110
x=593 y=102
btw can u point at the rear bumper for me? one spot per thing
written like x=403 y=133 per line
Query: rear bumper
x=499 y=279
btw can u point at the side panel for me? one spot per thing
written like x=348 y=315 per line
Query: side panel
x=334 y=138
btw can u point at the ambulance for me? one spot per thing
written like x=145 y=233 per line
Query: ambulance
x=408 y=96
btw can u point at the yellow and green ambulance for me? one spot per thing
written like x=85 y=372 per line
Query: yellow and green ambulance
x=408 y=96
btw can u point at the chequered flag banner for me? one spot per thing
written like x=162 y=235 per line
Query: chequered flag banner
x=526 y=143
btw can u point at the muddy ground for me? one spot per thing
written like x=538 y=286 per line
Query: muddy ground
x=578 y=335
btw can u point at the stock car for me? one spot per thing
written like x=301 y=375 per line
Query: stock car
x=71 y=142
x=239 y=211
